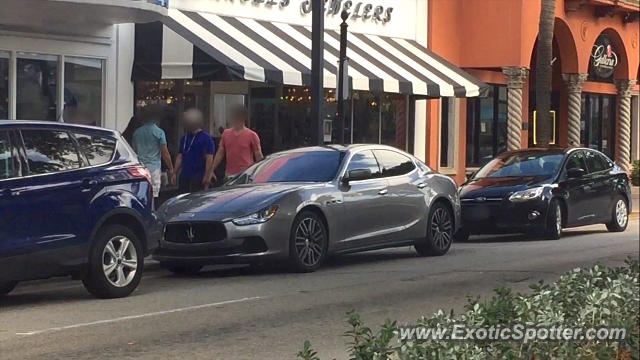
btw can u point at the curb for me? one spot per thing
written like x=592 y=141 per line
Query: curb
x=634 y=216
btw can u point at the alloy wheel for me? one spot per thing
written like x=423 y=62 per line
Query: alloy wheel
x=309 y=241
x=621 y=213
x=441 y=228
x=119 y=261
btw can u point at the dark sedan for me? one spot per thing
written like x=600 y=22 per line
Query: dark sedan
x=302 y=205
x=542 y=191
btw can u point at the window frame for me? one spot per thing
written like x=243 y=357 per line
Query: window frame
x=563 y=171
x=14 y=55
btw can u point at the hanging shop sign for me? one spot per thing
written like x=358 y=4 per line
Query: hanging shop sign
x=603 y=58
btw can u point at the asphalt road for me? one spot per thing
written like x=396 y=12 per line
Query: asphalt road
x=236 y=313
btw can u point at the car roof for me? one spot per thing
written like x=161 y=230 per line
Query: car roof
x=52 y=125
x=340 y=148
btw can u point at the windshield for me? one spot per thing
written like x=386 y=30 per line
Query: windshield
x=312 y=166
x=522 y=165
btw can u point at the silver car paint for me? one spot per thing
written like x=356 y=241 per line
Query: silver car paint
x=359 y=215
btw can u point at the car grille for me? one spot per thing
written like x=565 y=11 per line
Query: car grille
x=195 y=233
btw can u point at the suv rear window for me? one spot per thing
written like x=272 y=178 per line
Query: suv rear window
x=98 y=149
x=6 y=168
x=50 y=151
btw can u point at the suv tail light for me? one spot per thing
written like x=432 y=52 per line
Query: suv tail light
x=140 y=172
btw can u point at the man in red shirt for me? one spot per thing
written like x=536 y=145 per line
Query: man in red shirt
x=239 y=145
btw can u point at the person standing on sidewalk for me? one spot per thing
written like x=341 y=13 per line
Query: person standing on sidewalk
x=195 y=160
x=239 y=145
x=150 y=142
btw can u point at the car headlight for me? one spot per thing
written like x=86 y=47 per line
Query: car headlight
x=258 y=217
x=525 y=195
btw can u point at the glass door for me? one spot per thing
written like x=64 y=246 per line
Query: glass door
x=597 y=122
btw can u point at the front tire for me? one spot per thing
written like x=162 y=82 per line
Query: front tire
x=115 y=263
x=619 y=216
x=440 y=228
x=308 y=242
x=553 y=229
x=7 y=287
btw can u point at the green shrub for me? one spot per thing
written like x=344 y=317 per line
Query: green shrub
x=582 y=298
x=635 y=173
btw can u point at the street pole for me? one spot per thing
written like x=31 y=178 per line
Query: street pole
x=317 y=67
x=341 y=74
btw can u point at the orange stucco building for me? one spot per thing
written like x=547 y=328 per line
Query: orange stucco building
x=595 y=73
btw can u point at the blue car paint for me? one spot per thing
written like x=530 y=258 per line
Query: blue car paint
x=48 y=222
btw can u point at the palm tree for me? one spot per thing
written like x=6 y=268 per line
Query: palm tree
x=544 y=71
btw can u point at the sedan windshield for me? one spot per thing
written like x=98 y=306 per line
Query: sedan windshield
x=521 y=165
x=312 y=166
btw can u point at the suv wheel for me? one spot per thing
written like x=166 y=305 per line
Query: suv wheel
x=619 y=216
x=7 y=287
x=440 y=229
x=115 y=264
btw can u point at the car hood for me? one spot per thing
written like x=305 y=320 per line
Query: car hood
x=226 y=202
x=500 y=187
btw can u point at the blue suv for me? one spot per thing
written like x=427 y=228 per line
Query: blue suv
x=74 y=200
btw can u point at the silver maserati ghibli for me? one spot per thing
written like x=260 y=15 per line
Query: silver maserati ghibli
x=303 y=205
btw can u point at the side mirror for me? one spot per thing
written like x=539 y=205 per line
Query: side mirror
x=357 y=174
x=575 y=173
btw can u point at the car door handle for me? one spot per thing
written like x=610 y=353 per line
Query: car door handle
x=383 y=192
x=422 y=185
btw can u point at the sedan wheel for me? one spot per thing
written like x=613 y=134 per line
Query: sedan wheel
x=553 y=229
x=619 y=217
x=115 y=263
x=440 y=231
x=308 y=242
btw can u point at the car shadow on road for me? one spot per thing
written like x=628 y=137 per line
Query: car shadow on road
x=507 y=238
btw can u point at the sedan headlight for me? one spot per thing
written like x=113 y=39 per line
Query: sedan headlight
x=525 y=195
x=258 y=217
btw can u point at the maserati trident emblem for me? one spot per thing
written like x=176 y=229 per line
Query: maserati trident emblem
x=191 y=234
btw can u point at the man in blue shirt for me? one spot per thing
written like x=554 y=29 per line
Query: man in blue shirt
x=195 y=160
x=150 y=142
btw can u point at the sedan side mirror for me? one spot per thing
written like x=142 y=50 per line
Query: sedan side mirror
x=357 y=174
x=575 y=173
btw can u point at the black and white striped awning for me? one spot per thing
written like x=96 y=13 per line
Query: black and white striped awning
x=190 y=45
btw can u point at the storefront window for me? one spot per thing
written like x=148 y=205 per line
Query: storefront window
x=83 y=91
x=366 y=118
x=394 y=121
x=4 y=85
x=487 y=126
x=597 y=128
x=37 y=80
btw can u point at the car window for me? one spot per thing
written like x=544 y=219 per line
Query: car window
x=310 y=166
x=98 y=149
x=576 y=161
x=393 y=163
x=522 y=164
x=50 y=151
x=364 y=160
x=596 y=162
x=6 y=162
